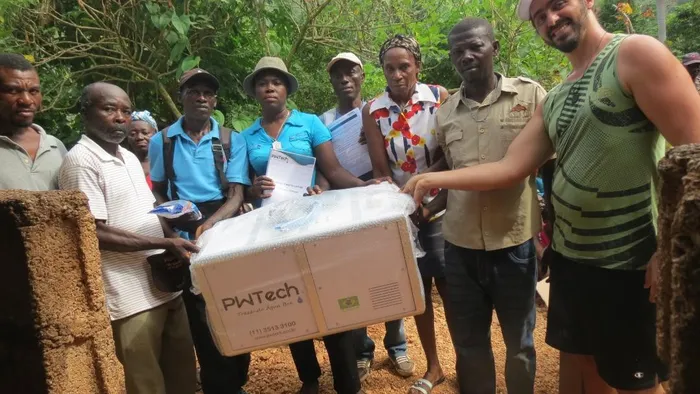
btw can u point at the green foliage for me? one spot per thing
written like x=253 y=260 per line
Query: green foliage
x=684 y=28
x=146 y=45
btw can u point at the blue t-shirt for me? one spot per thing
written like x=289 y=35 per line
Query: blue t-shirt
x=300 y=134
x=196 y=178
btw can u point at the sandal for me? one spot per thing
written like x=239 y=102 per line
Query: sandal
x=424 y=386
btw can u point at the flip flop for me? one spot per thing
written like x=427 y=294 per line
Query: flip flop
x=421 y=384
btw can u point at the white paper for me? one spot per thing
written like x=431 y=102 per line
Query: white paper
x=292 y=174
x=345 y=134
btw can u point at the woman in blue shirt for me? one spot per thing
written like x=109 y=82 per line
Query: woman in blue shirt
x=297 y=132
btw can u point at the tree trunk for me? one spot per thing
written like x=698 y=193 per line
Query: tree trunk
x=168 y=100
x=661 y=19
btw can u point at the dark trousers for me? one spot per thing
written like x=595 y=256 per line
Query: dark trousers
x=478 y=282
x=342 y=357
x=219 y=374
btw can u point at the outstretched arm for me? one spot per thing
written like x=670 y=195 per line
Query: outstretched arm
x=530 y=149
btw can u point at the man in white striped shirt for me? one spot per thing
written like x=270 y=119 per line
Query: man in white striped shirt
x=151 y=332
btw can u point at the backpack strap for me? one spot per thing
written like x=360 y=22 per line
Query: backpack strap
x=221 y=147
x=168 y=153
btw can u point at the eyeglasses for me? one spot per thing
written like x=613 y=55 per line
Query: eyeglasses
x=194 y=93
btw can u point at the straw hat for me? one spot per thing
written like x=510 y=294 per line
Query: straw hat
x=269 y=63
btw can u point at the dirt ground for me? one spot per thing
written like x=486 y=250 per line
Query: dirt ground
x=272 y=370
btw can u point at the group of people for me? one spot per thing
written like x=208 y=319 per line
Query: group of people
x=470 y=159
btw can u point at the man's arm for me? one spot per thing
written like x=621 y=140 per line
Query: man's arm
x=160 y=191
x=118 y=240
x=337 y=176
x=530 y=149
x=322 y=182
x=436 y=205
x=661 y=87
x=235 y=195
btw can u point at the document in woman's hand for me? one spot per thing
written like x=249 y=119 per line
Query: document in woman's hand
x=292 y=174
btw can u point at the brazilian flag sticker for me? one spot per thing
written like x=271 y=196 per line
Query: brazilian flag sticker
x=348 y=303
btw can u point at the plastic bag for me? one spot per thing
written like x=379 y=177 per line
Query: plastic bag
x=289 y=222
x=178 y=209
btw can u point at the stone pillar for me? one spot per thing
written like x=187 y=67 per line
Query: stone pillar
x=678 y=324
x=55 y=334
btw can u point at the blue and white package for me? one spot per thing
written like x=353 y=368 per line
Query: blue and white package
x=176 y=209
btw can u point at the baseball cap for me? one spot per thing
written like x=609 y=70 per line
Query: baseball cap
x=524 y=9
x=196 y=74
x=691 y=58
x=349 y=56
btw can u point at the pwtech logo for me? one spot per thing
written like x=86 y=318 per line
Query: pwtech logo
x=258 y=297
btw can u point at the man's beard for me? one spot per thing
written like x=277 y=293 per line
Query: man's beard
x=22 y=124
x=572 y=42
x=116 y=135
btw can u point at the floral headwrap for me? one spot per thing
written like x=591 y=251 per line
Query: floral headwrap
x=400 y=41
x=144 y=116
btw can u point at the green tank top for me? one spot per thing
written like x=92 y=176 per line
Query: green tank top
x=605 y=179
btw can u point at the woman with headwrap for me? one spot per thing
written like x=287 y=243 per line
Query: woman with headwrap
x=142 y=128
x=400 y=129
x=297 y=132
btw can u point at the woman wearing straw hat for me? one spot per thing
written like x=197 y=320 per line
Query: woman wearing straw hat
x=297 y=132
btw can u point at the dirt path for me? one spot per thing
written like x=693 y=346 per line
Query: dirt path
x=272 y=371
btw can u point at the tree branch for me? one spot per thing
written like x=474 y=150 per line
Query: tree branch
x=302 y=33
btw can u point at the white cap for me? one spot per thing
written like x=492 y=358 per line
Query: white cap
x=349 y=56
x=524 y=9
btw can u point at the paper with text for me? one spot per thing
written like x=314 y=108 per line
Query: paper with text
x=292 y=174
x=345 y=134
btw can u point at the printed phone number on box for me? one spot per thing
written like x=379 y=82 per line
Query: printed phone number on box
x=272 y=330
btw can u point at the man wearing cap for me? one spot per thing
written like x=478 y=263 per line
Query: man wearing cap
x=605 y=123
x=691 y=62
x=30 y=158
x=197 y=159
x=347 y=76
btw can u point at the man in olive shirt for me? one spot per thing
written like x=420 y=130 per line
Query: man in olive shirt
x=489 y=252
x=29 y=157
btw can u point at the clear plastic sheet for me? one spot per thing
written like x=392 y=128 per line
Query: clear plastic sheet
x=305 y=219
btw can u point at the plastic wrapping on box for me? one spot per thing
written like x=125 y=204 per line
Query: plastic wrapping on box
x=309 y=267
x=305 y=219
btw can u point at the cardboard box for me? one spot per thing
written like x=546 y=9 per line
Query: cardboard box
x=348 y=267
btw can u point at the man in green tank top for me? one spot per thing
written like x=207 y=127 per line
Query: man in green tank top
x=606 y=123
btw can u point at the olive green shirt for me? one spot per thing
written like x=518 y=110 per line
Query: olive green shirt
x=19 y=171
x=472 y=133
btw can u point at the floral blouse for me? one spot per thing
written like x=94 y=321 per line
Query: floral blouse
x=409 y=134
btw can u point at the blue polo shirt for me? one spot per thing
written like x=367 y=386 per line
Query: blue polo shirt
x=300 y=134
x=196 y=178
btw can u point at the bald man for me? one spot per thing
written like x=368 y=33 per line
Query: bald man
x=150 y=328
